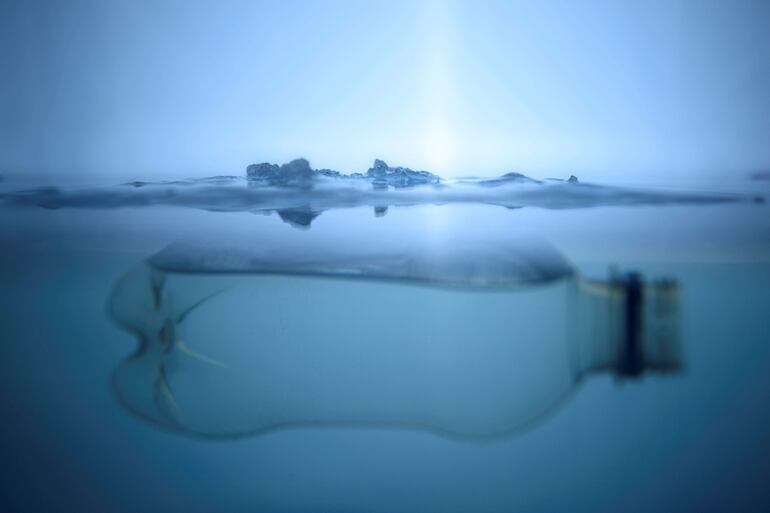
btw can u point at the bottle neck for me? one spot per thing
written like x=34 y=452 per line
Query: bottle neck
x=625 y=326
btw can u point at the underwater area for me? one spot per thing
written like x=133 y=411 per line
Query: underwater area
x=418 y=357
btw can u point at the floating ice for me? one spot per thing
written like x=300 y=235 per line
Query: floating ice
x=383 y=174
x=299 y=193
x=299 y=173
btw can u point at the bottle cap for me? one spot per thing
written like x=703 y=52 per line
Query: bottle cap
x=661 y=327
x=651 y=338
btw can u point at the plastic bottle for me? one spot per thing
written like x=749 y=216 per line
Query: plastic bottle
x=463 y=336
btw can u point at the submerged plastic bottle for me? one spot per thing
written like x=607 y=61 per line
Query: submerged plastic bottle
x=459 y=335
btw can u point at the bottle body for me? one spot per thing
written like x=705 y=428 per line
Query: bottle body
x=236 y=354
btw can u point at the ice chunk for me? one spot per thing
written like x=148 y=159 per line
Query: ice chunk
x=265 y=170
x=299 y=172
x=296 y=172
x=381 y=173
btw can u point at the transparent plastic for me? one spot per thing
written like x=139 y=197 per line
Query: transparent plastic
x=469 y=343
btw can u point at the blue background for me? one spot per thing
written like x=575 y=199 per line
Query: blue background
x=653 y=91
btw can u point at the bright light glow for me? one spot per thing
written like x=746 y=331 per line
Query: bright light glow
x=599 y=89
x=438 y=149
x=438 y=139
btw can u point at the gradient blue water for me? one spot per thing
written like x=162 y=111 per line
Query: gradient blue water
x=693 y=442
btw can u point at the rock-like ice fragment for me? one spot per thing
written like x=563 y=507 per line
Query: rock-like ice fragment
x=380 y=172
x=265 y=170
x=296 y=172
